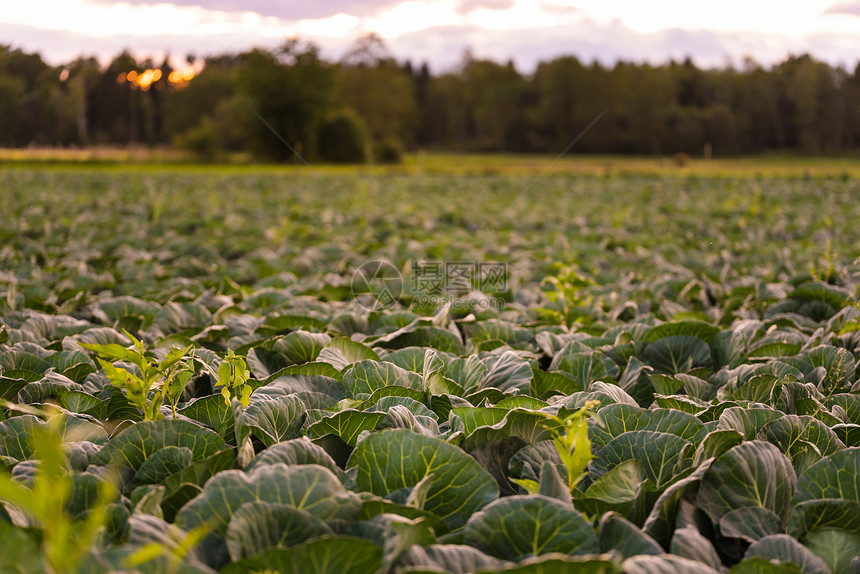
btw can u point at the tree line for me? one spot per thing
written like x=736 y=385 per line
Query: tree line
x=288 y=102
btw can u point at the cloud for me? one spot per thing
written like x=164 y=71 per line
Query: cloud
x=614 y=41
x=58 y=47
x=287 y=10
x=560 y=9
x=467 y=6
x=850 y=8
x=443 y=47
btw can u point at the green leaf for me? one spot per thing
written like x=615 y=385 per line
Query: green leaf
x=774 y=350
x=347 y=425
x=259 y=526
x=555 y=563
x=786 y=431
x=747 y=421
x=665 y=564
x=301 y=346
x=507 y=372
x=715 y=444
x=391 y=460
x=20 y=552
x=751 y=523
x=467 y=372
x=583 y=368
x=753 y=474
x=414 y=406
x=409 y=358
x=434 y=337
x=454 y=558
x=518 y=527
x=758 y=389
x=368 y=376
x=661 y=521
x=658 y=452
x=528 y=461
x=322 y=387
x=374 y=506
x=604 y=393
x=682 y=403
x=820 y=291
x=287 y=322
x=552 y=485
x=116 y=352
x=176 y=317
x=620 y=484
x=619 y=534
x=838 y=363
x=614 y=420
x=274 y=419
x=163 y=463
x=9 y=388
x=187 y=483
x=522 y=401
x=848 y=434
x=546 y=384
x=826 y=513
x=306 y=370
x=850 y=403
x=308 y=487
x=764 y=566
x=292 y=453
x=784 y=549
x=400 y=417
x=704 y=331
x=81 y=402
x=530 y=426
x=677 y=354
x=15 y=436
x=688 y=542
x=418 y=495
x=470 y=419
x=136 y=443
x=211 y=411
x=341 y=352
x=666 y=384
x=836 y=476
x=72 y=364
x=334 y=554
x=486 y=396
x=838 y=548
x=20 y=364
x=393 y=391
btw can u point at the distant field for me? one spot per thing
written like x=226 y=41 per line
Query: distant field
x=467 y=364
x=471 y=164
x=613 y=225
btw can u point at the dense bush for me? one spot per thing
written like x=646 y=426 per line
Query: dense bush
x=390 y=151
x=343 y=138
x=203 y=141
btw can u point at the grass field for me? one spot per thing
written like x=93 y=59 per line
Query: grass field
x=433 y=163
x=459 y=364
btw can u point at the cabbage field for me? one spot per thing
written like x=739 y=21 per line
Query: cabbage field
x=263 y=370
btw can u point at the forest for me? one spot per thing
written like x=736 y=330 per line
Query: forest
x=370 y=106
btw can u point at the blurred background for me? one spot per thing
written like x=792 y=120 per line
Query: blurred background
x=354 y=81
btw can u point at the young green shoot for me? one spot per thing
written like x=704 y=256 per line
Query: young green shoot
x=153 y=381
x=573 y=447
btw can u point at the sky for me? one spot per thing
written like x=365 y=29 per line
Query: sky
x=440 y=31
